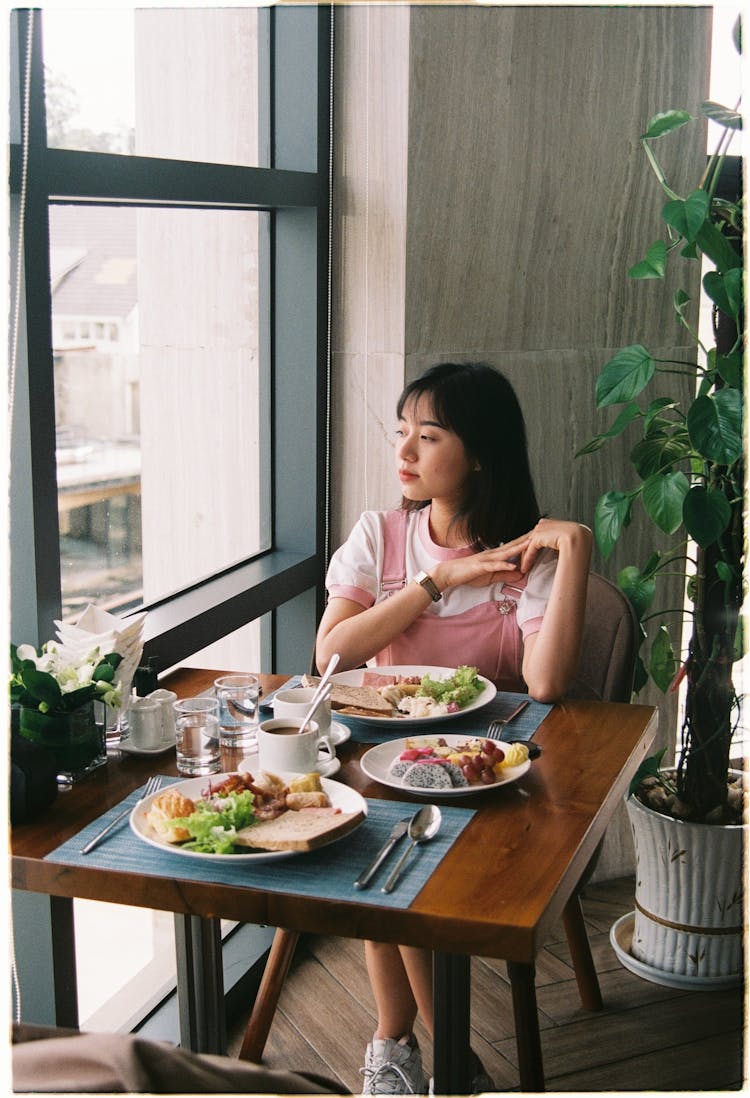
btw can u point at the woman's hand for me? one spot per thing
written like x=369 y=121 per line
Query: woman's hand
x=514 y=559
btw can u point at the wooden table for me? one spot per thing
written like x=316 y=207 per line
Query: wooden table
x=497 y=893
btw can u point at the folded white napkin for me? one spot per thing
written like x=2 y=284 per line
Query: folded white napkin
x=99 y=628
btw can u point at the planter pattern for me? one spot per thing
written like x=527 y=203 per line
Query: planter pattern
x=74 y=738
x=689 y=897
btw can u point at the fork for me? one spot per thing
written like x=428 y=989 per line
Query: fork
x=495 y=728
x=153 y=785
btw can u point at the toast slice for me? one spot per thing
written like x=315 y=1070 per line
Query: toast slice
x=304 y=829
x=361 y=698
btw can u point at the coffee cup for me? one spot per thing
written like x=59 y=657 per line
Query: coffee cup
x=295 y=702
x=281 y=746
x=145 y=723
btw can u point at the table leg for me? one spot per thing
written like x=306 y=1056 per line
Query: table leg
x=200 y=984
x=65 y=978
x=452 y=1009
x=526 y=1018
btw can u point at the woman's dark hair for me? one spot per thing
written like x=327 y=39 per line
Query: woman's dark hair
x=478 y=404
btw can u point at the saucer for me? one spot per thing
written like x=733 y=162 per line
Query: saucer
x=130 y=748
x=325 y=769
x=340 y=733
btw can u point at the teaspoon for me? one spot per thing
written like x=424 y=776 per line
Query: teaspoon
x=424 y=825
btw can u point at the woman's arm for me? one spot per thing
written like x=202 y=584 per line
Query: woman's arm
x=551 y=656
x=357 y=633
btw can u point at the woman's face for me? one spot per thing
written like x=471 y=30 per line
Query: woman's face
x=431 y=460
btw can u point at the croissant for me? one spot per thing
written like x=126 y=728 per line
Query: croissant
x=167 y=806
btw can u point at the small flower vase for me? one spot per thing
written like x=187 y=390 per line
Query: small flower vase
x=75 y=739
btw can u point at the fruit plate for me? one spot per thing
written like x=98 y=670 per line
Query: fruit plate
x=354 y=678
x=340 y=796
x=377 y=761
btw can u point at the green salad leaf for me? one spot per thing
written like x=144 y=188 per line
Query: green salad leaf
x=461 y=688
x=214 y=828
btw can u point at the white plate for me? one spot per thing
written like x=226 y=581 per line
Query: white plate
x=354 y=678
x=340 y=796
x=376 y=763
x=130 y=748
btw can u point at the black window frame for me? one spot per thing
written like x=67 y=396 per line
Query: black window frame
x=282 y=586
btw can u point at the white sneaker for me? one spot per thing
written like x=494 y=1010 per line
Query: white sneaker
x=393 y=1067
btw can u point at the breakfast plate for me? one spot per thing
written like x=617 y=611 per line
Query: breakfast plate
x=354 y=678
x=377 y=761
x=340 y=796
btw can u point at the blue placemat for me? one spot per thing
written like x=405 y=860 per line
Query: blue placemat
x=475 y=723
x=327 y=873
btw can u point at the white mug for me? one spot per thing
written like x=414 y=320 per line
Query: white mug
x=295 y=702
x=292 y=751
x=145 y=723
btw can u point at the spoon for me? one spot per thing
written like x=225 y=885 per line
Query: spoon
x=424 y=825
x=321 y=690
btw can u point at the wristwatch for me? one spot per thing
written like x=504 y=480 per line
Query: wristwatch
x=429 y=585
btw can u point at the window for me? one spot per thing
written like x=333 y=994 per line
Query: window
x=169 y=367
x=177 y=452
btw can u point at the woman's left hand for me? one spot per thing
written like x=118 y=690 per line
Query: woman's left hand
x=556 y=534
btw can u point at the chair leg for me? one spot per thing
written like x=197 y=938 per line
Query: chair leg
x=267 y=999
x=580 y=951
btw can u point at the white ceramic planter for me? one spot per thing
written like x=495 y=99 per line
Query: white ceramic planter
x=688 y=919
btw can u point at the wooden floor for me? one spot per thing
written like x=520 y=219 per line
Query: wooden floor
x=647 y=1037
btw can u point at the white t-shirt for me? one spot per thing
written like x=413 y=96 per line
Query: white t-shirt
x=356 y=568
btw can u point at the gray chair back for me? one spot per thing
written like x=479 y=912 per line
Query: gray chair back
x=609 y=646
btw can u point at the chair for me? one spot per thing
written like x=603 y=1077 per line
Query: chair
x=608 y=652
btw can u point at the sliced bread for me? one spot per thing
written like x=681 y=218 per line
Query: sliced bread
x=301 y=830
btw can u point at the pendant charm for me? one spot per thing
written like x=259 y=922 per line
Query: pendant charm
x=505 y=605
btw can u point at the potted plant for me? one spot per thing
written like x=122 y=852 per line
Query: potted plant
x=690 y=483
x=55 y=695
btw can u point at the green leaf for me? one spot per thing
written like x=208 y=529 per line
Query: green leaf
x=730 y=369
x=663 y=496
x=41 y=686
x=611 y=516
x=655 y=407
x=659 y=452
x=105 y=672
x=638 y=588
x=724 y=572
x=641 y=675
x=715 y=425
x=665 y=122
x=687 y=216
x=624 y=376
x=626 y=416
x=649 y=768
x=725 y=290
x=662 y=665
x=706 y=513
x=654 y=265
x=723 y=116
x=719 y=250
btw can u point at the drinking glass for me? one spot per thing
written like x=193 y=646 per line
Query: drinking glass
x=238 y=727
x=197 y=731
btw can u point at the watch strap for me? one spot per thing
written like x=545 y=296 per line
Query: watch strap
x=429 y=585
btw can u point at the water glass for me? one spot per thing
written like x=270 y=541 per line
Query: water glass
x=197 y=730
x=238 y=727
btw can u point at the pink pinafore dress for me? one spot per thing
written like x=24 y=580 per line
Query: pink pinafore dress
x=486 y=637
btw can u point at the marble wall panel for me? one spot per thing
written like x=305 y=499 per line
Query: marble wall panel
x=528 y=193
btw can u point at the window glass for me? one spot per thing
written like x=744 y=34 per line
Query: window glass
x=158 y=432
x=179 y=83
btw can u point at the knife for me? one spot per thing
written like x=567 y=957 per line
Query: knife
x=398 y=831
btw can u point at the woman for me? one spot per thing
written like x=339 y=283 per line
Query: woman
x=465 y=572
